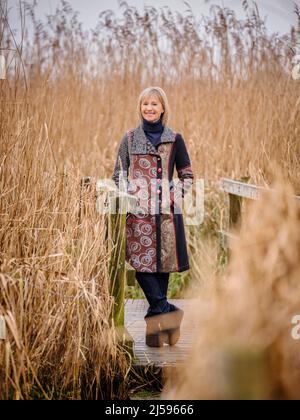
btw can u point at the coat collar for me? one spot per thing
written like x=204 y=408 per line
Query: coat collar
x=141 y=145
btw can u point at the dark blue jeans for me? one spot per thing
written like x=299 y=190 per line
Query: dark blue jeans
x=155 y=288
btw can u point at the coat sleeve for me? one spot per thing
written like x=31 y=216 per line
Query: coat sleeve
x=122 y=162
x=183 y=167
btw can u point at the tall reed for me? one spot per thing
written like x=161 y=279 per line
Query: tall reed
x=68 y=98
x=244 y=346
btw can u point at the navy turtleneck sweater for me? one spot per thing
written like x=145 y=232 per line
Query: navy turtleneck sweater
x=153 y=130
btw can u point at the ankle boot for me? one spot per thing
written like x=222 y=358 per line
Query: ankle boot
x=155 y=334
x=171 y=325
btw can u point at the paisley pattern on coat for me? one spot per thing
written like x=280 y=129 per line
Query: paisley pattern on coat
x=155 y=236
x=169 y=261
x=141 y=243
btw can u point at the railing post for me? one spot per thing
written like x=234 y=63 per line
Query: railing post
x=235 y=210
x=116 y=225
x=235 y=207
x=115 y=236
x=119 y=204
x=235 y=213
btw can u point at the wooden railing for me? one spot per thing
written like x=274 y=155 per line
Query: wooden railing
x=238 y=191
x=117 y=204
x=247 y=370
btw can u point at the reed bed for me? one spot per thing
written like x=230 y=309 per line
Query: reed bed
x=67 y=100
x=244 y=347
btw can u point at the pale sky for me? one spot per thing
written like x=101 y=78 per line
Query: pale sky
x=280 y=15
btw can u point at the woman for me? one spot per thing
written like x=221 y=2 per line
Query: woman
x=155 y=236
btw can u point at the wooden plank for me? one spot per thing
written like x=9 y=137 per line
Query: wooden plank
x=241 y=189
x=166 y=356
x=2 y=328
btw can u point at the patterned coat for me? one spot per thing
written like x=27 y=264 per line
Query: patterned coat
x=155 y=234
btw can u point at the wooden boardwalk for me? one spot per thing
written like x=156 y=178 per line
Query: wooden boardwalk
x=135 y=311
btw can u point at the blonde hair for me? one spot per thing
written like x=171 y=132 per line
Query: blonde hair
x=162 y=97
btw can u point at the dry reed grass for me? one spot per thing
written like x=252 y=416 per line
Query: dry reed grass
x=244 y=347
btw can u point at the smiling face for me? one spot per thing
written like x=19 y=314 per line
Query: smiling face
x=151 y=108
